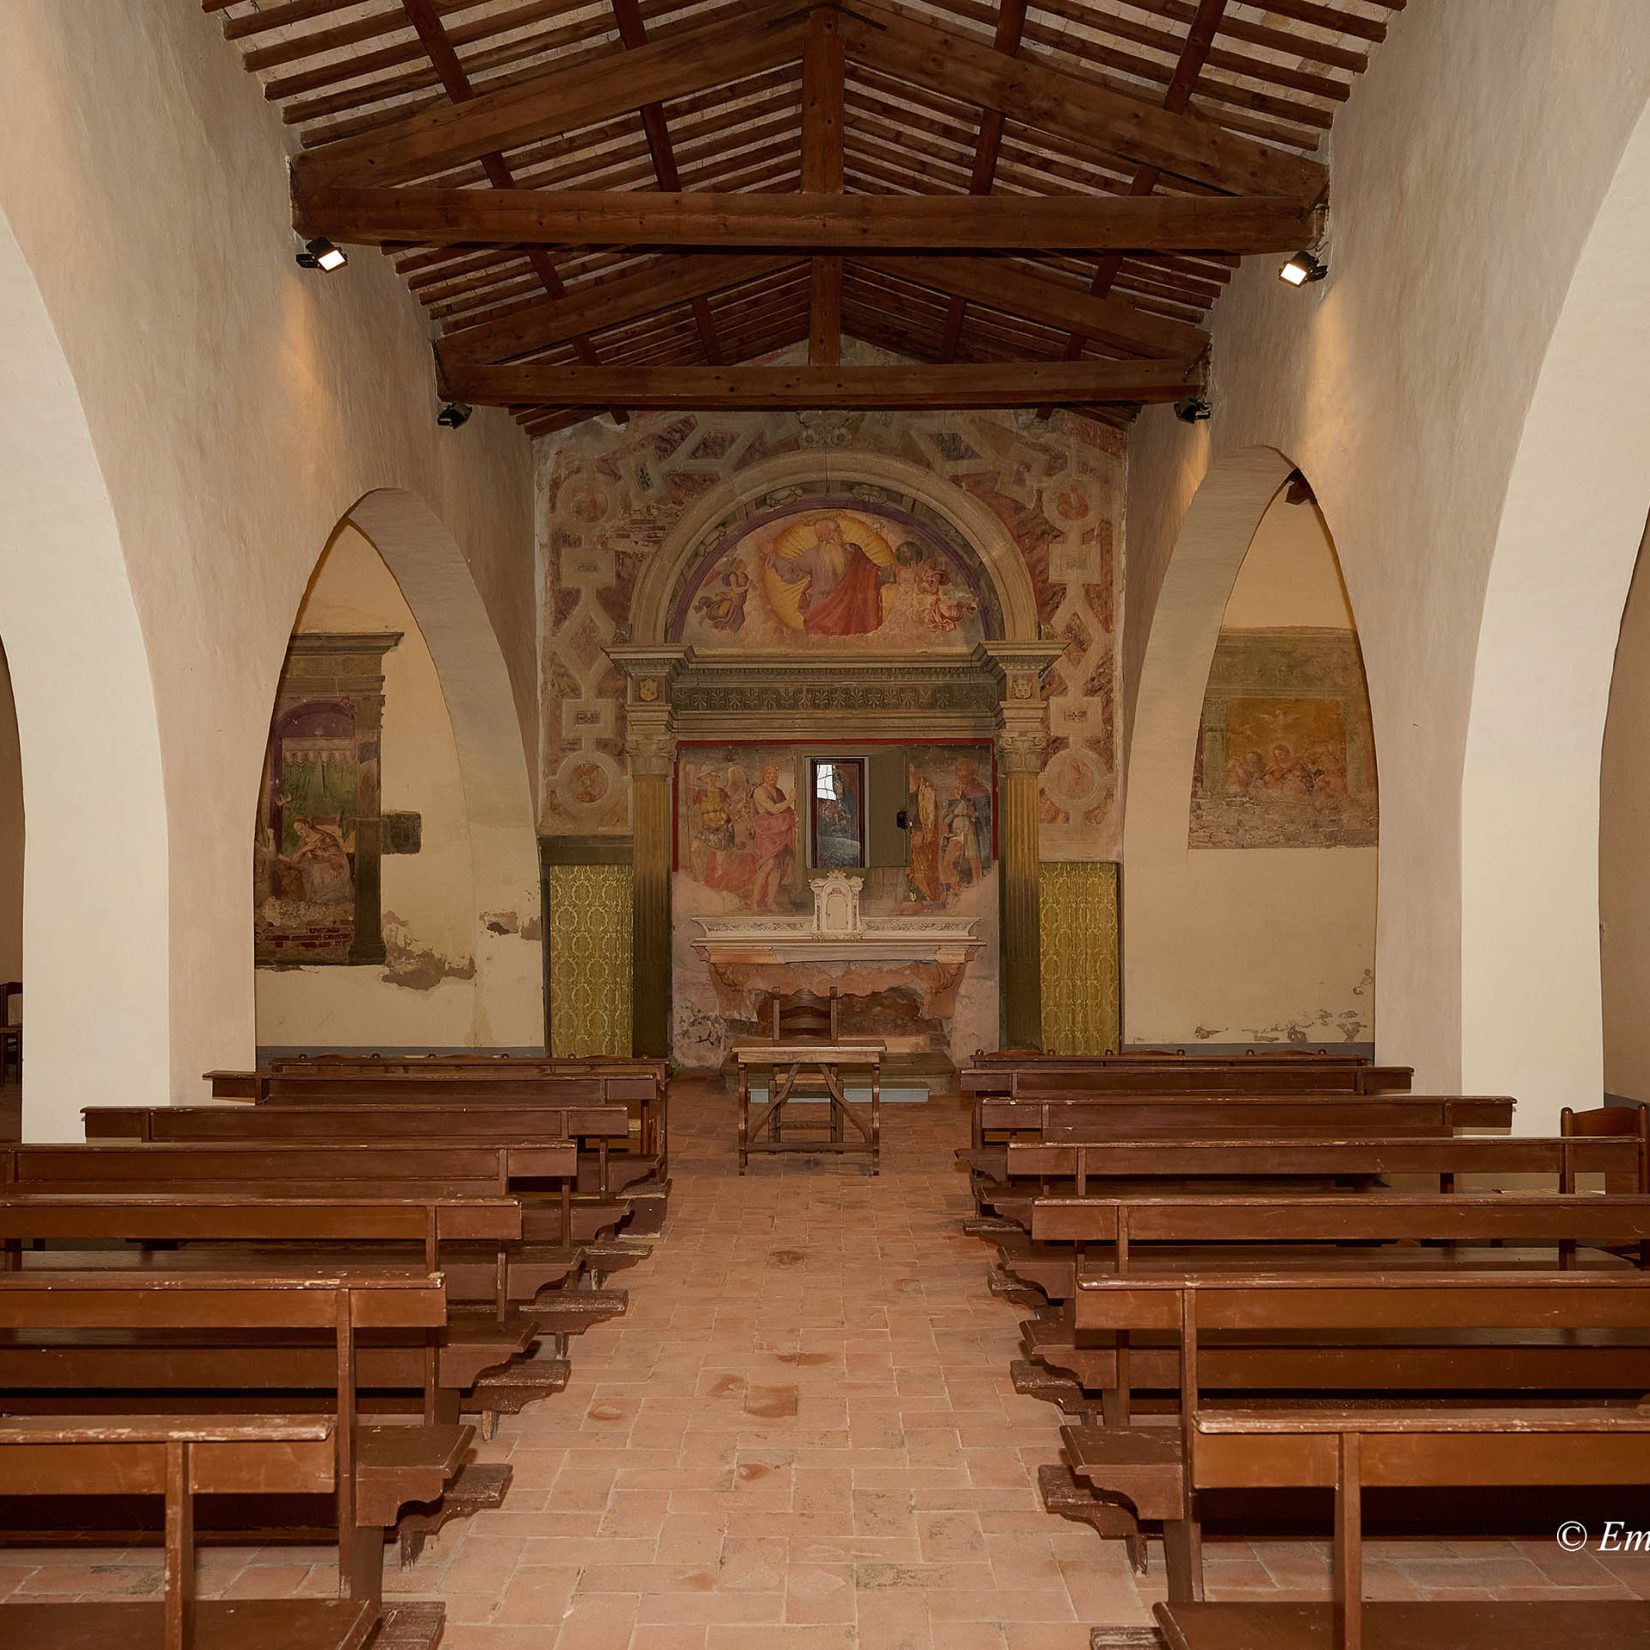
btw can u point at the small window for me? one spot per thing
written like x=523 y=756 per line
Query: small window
x=836 y=813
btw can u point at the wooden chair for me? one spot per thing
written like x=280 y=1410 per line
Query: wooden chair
x=804 y=1017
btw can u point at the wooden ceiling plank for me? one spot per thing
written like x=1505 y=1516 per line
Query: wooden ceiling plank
x=823 y=223
x=1332 y=53
x=592 y=87
x=1039 y=93
x=1005 y=286
x=950 y=386
x=1329 y=19
x=274 y=17
x=661 y=283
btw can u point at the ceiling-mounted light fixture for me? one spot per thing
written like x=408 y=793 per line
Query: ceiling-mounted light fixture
x=1192 y=410
x=320 y=253
x=1301 y=268
x=453 y=414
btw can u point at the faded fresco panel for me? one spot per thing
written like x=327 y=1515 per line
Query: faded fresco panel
x=738 y=838
x=948 y=845
x=1286 y=748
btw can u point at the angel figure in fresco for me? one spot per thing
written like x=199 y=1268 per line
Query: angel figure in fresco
x=941 y=611
x=773 y=839
x=724 y=607
x=922 y=866
x=831 y=582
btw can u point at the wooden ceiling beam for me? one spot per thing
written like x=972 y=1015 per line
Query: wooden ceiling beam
x=655 y=128
x=824 y=92
x=1016 y=384
x=1199 y=39
x=812 y=222
x=1036 y=92
x=456 y=82
x=1002 y=285
x=593 y=87
x=662 y=283
x=1011 y=22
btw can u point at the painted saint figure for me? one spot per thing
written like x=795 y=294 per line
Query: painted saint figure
x=773 y=839
x=843 y=594
x=922 y=869
x=724 y=608
x=323 y=862
x=963 y=850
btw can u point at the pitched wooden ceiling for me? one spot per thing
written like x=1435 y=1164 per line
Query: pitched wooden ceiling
x=615 y=203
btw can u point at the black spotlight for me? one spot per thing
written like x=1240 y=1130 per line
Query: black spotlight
x=1301 y=268
x=320 y=253
x=1192 y=410
x=453 y=415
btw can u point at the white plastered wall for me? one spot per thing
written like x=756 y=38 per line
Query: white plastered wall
x=1251 y=945
x=94 y=886
x=1467 y=170
x=238 y=407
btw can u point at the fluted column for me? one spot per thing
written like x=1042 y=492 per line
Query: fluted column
x=650 y=745
x=1022 y=739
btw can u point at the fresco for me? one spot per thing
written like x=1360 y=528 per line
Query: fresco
x=304 y=848
x=1286 y=755
x=737 y=828
x=608 y=498
x=741 y=818
x=949 y=844
x=813 y=576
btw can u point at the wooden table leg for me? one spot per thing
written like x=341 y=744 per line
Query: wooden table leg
x=744 y=1115
x=876 y=1119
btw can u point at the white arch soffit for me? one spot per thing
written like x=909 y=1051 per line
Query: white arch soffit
x=984 y=532
x=1209 y=549
x=435 y=579
x=95 y=916
x=1571 y=524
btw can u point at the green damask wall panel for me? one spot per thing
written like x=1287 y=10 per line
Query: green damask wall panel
x=1079 y=957
x=589 y=959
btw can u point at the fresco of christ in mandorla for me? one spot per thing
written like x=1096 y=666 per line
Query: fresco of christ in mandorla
x=831 y=578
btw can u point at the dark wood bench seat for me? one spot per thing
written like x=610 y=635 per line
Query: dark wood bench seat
x=1333 y=1340
x=73 y=1343
x=175 y=1460
x=1415 y=1449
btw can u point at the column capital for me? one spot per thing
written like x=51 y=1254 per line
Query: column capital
x=649 y=668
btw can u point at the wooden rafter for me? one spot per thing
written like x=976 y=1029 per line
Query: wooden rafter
x=1038 y=93
x=811 y=222
x=1016 y=384
x=422 y=15
x=633 y=31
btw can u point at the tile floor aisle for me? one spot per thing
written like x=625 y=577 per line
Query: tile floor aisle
x=802 y=1435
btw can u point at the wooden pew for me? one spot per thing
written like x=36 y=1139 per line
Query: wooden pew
x=175 y=1459
x=78 y=1342
x=1333 y=1338
x=613 y=1196
x=541 y=1253
x=1353 y=1450
x=1123 y=1117
x=1261 y=1165
x=1183 y=1077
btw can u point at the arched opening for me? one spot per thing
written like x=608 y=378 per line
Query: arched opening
x=94 y=895
x=1623 y=860
x=1571 y=525
x=1251 y=822
x=394 y=865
